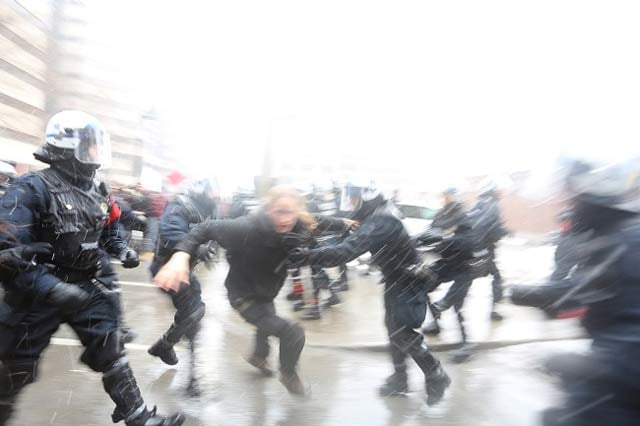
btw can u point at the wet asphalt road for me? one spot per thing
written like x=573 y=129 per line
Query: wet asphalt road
x=499 y=387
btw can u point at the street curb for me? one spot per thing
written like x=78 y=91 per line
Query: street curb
x=444 y=347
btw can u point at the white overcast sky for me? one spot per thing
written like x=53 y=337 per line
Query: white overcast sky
x=442 y=87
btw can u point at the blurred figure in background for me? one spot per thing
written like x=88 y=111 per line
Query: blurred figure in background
x=454 y=266
x=197 y=204
x=486 y=221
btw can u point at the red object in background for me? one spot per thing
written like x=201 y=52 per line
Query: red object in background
x=175 y=177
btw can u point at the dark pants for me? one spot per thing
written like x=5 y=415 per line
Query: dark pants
x=263 y=316
x=190 y=310
x=27 y=327
x=455 y=297
x=403 y=340
x=496 y=283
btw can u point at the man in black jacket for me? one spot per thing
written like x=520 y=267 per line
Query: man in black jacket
x=257 y=248
x=382 y=233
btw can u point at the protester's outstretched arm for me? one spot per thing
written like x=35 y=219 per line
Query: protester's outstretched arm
x=176 y=271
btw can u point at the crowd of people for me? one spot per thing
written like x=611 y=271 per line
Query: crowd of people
x=60 y=227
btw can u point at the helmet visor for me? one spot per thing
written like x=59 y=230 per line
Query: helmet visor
x=93 y=146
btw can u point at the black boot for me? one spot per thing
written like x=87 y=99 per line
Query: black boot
x=395 y=385
x=333 y=300
x=298 y=306
x=164 y=350
x=151 y=418
x=463 y=353
x=312 y=313
x=292 y=297
x=431 y=329
x=121 y=386
x=436 y=383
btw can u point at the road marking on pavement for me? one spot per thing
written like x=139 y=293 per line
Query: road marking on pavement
x=137 y=284
x=63 y=341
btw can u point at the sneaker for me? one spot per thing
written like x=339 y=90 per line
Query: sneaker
x=495 y=316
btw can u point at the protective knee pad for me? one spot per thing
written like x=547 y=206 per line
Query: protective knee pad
x=102 y=353
x=16 y=375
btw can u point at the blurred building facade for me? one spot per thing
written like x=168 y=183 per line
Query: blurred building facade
x=50 y=61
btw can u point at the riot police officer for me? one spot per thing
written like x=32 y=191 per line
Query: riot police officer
x=602 y=385
x=445 y=223
x=382 y=233
x=196 y=205
x=65 y=205
x=489 y=230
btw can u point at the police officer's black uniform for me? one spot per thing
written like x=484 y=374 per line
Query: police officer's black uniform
x=602 y=385
x=64 y=206
x=179 y=216
x=382 y=233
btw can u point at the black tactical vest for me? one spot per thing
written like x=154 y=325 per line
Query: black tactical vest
x=74 y=221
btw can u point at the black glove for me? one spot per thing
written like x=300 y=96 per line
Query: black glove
x=129 y=258
x=21 y=257
x=141 y=223
x=67 y=297
x=298 y=257
x=206 y=254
